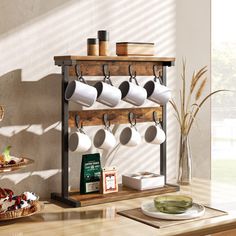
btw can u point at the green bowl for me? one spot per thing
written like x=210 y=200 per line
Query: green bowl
x=173 y=204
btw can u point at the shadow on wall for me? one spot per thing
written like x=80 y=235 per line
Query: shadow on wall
x=28 y=10
x=31 y=123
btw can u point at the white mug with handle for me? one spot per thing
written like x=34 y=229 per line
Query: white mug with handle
x=132 y=92
x=104 y=138
x=155 y=134
x=80 y=92
x=157 y=92
x=79 y=141
x=130 y=136
x=107 y=94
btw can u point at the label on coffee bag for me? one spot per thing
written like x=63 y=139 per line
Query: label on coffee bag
x=92 y=187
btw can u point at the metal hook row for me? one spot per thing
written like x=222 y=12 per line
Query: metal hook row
x=107 y=123
x=107 y=74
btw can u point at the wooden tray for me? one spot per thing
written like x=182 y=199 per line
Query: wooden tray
x=34 y=208
x=136 y=214
x=124 y=193
x=13 y=167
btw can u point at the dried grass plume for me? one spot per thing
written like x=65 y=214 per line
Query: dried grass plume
x=190 y=98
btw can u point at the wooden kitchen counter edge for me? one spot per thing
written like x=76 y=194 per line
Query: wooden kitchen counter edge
x=102 y=219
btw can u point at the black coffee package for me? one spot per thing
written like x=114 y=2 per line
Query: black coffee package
x=90 y=173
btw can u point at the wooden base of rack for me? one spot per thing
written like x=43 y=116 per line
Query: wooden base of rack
x=79 y=200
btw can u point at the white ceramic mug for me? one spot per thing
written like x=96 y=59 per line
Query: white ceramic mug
x=104 y=139
x=155 y=134
x=157 y=92
x=81 y=93
x=107 y=94
x=133 y=93
x=130 y=136
x=79 y=142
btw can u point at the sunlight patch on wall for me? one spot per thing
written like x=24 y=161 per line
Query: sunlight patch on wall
x=37 y=129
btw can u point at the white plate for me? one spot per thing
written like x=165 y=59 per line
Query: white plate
x=195 y=211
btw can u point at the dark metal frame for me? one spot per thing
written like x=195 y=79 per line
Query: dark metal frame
x=64 y=196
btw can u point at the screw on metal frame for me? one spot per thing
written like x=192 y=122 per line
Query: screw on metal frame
x=132 y=118
x=132 y=75
x=79 y=74
x=106 y=74
x=157 y=77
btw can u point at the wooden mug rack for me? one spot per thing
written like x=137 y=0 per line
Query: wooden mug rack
x=118 y=66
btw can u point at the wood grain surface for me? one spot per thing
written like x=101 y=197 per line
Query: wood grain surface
x=120 y=68
x=114 y=58
x=115 y=116
x=124 y=193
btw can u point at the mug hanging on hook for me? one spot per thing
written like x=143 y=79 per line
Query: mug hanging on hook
x=156 y=91
x=79 y=91
x=79 y=141
x=129 y=136
x=104 y=138
x=154 y=134
x=132 y=92
x=108 y=94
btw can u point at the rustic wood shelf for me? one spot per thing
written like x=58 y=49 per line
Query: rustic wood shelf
x=59 y=59
x=116 y=116
x=124 y=193
x=117 y=66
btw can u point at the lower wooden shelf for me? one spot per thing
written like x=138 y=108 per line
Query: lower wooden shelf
x=76 y=199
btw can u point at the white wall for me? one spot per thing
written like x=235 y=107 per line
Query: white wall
x=32 y=32
x=194 y=44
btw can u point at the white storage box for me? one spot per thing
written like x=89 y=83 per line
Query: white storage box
x=143 y=180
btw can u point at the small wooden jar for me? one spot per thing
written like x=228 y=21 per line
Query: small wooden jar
x=103 y=37
x=92 y=47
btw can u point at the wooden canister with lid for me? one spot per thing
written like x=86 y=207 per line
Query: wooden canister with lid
x=103 y=37
x=92 y=47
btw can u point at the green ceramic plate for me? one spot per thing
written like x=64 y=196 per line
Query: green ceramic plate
x=173 y=204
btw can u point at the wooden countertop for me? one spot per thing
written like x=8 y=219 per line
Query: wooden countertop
x=103 y=220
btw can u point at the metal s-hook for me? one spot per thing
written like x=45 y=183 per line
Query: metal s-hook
x=157 y=77
x=77 y=121
x=106 y=122
x=106 y=74
x=132 y=75
x=155 y=118
x=132 y=118
x=79 y=74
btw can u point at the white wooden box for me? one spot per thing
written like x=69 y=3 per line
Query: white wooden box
x=143 y=180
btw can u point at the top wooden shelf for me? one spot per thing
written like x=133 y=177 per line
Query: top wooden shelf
x=118 y=65
x=59 y=59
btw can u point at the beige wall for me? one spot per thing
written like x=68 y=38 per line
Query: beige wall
x=31 y=33
x=194 y=44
